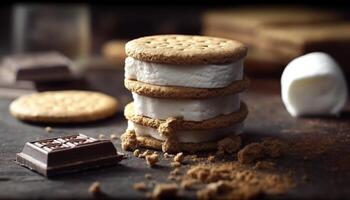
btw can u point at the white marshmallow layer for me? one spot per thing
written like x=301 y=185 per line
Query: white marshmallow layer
x=196 y=76
x=194 y=136
x=189 y=109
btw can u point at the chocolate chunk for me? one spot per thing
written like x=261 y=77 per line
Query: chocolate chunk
x=67 y=154
x=37 y=67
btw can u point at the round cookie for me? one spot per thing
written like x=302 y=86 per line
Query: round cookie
x=177 y=92
x=185 y=49
x=64 y=106
x=216 y=122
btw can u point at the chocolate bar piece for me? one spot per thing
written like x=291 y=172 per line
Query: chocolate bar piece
x=67 y=154
x=17 y=89
x=49 y=66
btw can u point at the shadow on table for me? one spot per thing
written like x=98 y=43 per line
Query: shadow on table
x=117 y=118
x=93 y=174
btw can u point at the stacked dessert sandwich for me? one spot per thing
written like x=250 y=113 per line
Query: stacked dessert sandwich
x=185 y=90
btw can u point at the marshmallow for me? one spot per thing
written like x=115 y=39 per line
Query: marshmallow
x=197 y=76
x=313 y=84
x=194 y=136
x=189 y=109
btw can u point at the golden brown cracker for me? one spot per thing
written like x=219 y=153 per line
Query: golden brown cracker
x=185 y=49
x=64 y=106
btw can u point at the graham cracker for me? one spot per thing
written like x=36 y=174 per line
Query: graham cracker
x=185 y=49
x=178 y=92
x=64 y=106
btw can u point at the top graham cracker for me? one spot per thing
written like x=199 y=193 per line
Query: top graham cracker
x=185 y=49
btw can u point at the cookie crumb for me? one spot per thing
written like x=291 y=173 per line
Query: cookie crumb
x=235 y=181
x=136 y=152
x=175 y=164
x=188 y=184
x=95 y=188
x=264 y=165
x=148 y=176
x=229 y=144
x=269 y=147
x=48 y=129
x=250 y=153
x=140 y=186
x=145 y=153
x=273 y=147
x=129 y=141
x=166 y=155
x=101 y=136
x=152 y=159
x=179 y=157
x=114 y=136
x=165 y=190
x=212 y=190
x=211 y=158
x=220 y=152
x=172 y=178
x=198 y=172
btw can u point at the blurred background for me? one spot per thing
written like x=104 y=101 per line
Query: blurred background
x=92 y=37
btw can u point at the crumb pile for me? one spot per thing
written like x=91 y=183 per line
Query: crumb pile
x=210 y=177
x=232 y=181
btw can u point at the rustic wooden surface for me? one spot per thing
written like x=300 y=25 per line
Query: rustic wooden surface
x=319 y=157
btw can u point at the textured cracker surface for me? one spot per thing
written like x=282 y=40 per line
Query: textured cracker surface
x=216 y=122
x=185 y=49
x=63 y=106
x=177 y=92
x=149 y=142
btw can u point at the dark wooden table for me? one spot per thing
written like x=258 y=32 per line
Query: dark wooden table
x=320 y=152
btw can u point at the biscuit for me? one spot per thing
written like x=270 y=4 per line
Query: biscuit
x=63 y=106
x=185 y=50
x=178 y=92
x=114 y=52
x=212 y=123
x=149 y=142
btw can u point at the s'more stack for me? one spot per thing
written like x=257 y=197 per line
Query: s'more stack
x=186 y=92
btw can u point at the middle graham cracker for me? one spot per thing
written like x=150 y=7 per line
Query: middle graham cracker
x=185 y=50
x=178 y=92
